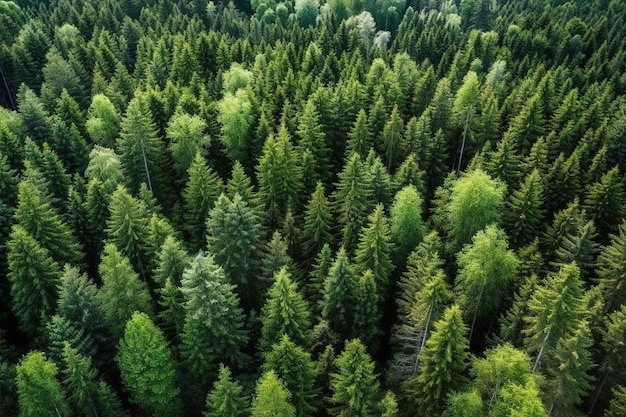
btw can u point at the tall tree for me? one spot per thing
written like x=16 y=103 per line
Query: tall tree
x=605 y=201
x=188 y=138
x=147 y=367
x=103 y=123
x=355 y=385
x=525 y=212
x=226 y=399
x=393 y=133
x=338 y=306
x=39 y=392
x=612 y=269
x=317 y=223
x=464 y=109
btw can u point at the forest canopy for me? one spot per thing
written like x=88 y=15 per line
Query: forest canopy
x=307 y=208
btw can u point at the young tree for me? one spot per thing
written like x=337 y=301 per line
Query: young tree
x=442 y=365
x=284 y=313
x=39 y=392
x=226 y=399
x=293 y=365
x=122 y=293
x=272 y=398
x=147 y=367
x=355 y=385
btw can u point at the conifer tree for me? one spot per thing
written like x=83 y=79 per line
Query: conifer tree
x=338 y=306
x=284 y=313
x=34 y=116
x=355 y=385
x=317 y=223
x=34 y=277
x=579 y=247
x=201 y=192
x=274 y=258
x=525 y=212
x=187 y=136
x=487 y=270
x=213 y=332
x=313 y=139
x=605 y=201
x=239 y=183
x=38 y=218
x=271 y=398
x=293 y=365
x=407 y=227
x=103 y=123
x=409 y=174
x=504 y=163
x=367 y=312
x=374 y=250
x=442 y=365
x=279 y=176
x=612 y=269
x=379 y=181
x=393 y=138
x=226 y=399
x=171 y=316
x=122 y=293
x=147 y=367
x=314 y=287
x=172 y=261
x=617 y=407
x=359 y=140
x=39 y=392
x=512 y=322
x=464 y=110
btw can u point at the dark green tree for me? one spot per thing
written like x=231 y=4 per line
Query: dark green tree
x=605 y=201
x=317 y=223
x=367 y=314
x=274 y=258
x=579 y=247
x=314 y=286
x=39 y=392
x=338 y=306
x=617 y=407
x=359 y=140
x=525 y=213
x=612 y=269
x=147 y=367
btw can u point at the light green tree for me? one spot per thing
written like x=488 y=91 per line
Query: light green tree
x=271 y=398
x=39 y=392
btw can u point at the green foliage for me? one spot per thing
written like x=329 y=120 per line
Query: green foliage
x=618 y=403
x=226 y=398
x=148 y=368
x=464 y=404
x=317 y=222
x=338 y=306
x=272 y=398
x=39 y=392
x=612 y=269
x=407 y=227
x=235 y=117
x=103 y=122
x=187 y=138
x=517 y=400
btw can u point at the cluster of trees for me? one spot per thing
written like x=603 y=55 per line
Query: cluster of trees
x=356 y=208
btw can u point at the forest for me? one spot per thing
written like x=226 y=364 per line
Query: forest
x=352 y=208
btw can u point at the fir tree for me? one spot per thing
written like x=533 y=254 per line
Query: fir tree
x=271 y=398
x=579 y=247
x=39 y=392
x=274 y=258
x=314 y=287
x=338 y=306
x=612 y=269
x=226 y=399
x=317 y=223
x=525 y=212
x=359 y=141
x=367 y=312
x=605 y=201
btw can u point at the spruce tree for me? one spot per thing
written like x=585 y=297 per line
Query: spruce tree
x=313 y=139
x=359 y=141
x=202 y=190
x=317 y=223
x=39 y=392
x=604 y=201
x=34 y=277
x=393 y=138
x=407 y=227
x=274 y=258
x=339 y=304
x=314 y=286
x=239 y=183
x=147 y=368
x=612 y=269
x=525 y=213
x=442 y=366
x=355 y=385
x=226 y=399
x=293 y=365
x=271 y=398
x=579 y=247
x=285 y=313
x=367 y=312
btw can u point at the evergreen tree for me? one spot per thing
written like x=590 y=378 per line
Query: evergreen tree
x=504 y=163
x=313 y=139
x=393 y=138
x=226 y=399
x=284 y=313
x=355 y=385
x=517 y=401
x=39 y=392
x=271 y=398
x=122 y=293
x=317 y=223
x=442 y=365
x=201 y=192
x=38 y=218
x=239 y=183
x=147 y=367
x=612 y=269
x=213 y=332
x=367 y=312
x=293 y=365
x=314 y=287
x=103 y=123
x=338 y=306
x=359 y=140
x=618 y=403
x=407 y=227
x=172 y=261
x=579 y=247
x=487 y=270
x=525 y=212
x=374 y=250
x=34 y=277
x=187 y=136
x=172 y=313
x=464 y=110
x=605 y=201
x=275 y=258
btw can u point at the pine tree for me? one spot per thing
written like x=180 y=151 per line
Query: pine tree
x=351 y=201
x=579 y=247
x=36 y=216
x=512 y=322
x=367 y=312
x=284 y=313
x=271 y=398
x=34 y=277
x=314 y=287
x=279 y=176
x=34 y=116
x=226 y=399
x=293 y=365
x=612 y=269
x=505 y=163
x=605 y=201
x=355 y=385
x=338 y=306
x=274 y=258
x=317 y=223
x=201 y=192
x=127 y=228
x=313 y=139
x=122 y=293
x=442 y=364
x=359 y=140
x=147 y=367
x=212 y=332
x=487 y=270
x=393 y=133
x=407 y=227
x=39 y=392
x=234 y=239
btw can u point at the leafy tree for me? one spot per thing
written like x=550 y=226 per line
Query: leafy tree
x=618 y=403
x=34 y=277
x=201 y=192
x=464 y=109
x=407 y=227
x=338 y=306
x=464 y=404
x=517 y=401
x=187 y=136
x=272 y=398
x=487 y=270
x=103 y=121
x=234 y=238
x=40 y=220
x=213 y=332
x=122 y=293
x=476 y=201
x=105 y=166
x=39 y=392
x=393 y=137
x=355 y=385
x=612 y=269
x=226 y=399
x=285 y=313
x=235 y=118
x=147 y=367
x=442 y=364
x=293 y=365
